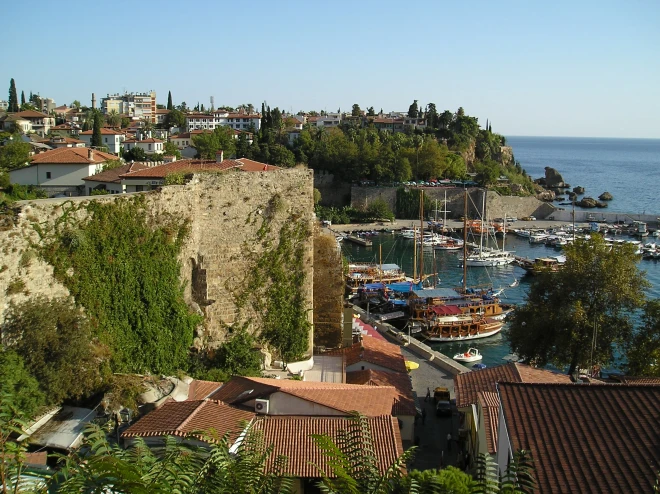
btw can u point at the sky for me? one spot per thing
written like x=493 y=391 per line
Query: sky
x=555 y=68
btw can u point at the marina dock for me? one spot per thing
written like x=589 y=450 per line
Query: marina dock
x=358 y=240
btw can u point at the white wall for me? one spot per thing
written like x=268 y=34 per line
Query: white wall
x=285 y=404
x=60 y=175
x=134 y=184
x=408 y=428
x=504 y=453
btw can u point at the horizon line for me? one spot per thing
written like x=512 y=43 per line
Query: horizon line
x=583 y=137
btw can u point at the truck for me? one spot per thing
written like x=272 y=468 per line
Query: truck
x=442 y=401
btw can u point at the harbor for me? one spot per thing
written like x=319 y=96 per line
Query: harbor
x=389 y=247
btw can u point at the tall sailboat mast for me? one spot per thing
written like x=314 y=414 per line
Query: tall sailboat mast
x=465 y=241
x=421 y=238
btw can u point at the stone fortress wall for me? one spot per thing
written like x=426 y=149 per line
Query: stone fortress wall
x=220 y=208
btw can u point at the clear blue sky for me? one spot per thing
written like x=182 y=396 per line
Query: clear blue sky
x=569 y=68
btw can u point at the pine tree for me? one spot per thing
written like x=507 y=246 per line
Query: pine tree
x=169 y=100
x=13 y=97
x=96 y=132
x=22 y=98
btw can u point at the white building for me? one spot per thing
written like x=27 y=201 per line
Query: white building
x=149 y=145
x=111 y=139
x=237 y=121
x=140 y=106
x=61 y=171
x=109 y=180
x=38 y=122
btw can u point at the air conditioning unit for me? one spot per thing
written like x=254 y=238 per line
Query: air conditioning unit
x=261 y=406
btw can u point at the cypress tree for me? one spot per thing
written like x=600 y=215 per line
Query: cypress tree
x=22 y=98
x=96 y=132
x=13 y=97
x=169 y=100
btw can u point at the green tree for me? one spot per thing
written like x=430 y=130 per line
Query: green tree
x=170 y=149
x=243 y=146
x=13 y=97
x=379 y=210
x=114 y=119
x=76 y=104
x=238 y=356
x=22 y=98
x=448 y=480
x=208 y=144
x=579 y=315
x=54 y=340
x=487 y=173
x=413 y=110
x=643 y=350
x=356 y=112
x=371 y=112
x=17 y=381
x=169 y=101
x=135 y=154
x=175 y=118
x=97 y=140
x=14 y=155
x=432 y=116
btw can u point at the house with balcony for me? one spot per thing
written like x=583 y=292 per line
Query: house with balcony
x=38 y=122
x=61 y=171
x=200 y=121
x=150 y=145
x=111 y=139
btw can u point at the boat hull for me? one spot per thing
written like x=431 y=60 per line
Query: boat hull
x=447 y=339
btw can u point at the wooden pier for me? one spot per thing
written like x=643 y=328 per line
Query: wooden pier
x=358 y=240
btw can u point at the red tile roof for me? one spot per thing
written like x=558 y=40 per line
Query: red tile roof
x=467 y=385
x=585 y=438
x=181 y=418
x=291 y=437
x=71 y=156
x=30 y=114
x=198 y=390
x=112 y=176
x=373 y=351
x=404 y=402
x=368 y=400
x=195 y=166
x=490 y=405
x=104 y=131
x=638 y=380
x=148 y=140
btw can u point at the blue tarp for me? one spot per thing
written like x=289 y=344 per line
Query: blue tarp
x=403 y=287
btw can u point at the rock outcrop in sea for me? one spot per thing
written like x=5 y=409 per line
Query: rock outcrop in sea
x=553 y=179
x=578 y=190
x=605 y=196
x=590 y=202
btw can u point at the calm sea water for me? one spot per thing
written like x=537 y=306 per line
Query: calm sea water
x=627 y=168
x=446 y=264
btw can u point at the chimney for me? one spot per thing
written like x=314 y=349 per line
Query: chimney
x=219 y=156
x=93 y=100
x=90 y=154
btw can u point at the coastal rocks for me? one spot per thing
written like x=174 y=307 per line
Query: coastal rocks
x=516 y=188
x=553 y=179
x=571 y=196
x=590 y=202
x=546 y=195
x=578 y=190
x=605 y=196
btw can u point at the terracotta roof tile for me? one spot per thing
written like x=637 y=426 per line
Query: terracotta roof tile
x=198 y=390
x=194 y=166
x=404 y=402
x=638 y=380
x=584 y=438
x=104 y=131
x=30 y=114
x=112 y=176
x=374 y=351
x=148 y=140
x=71 y=155
x=490 y=405
x=368 y=400
x=291 y=437
x=467 y=385
x=180 y=418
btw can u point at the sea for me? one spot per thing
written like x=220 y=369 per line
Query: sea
x=627 y=168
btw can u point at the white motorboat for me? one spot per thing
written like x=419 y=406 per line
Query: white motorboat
x=472 y=355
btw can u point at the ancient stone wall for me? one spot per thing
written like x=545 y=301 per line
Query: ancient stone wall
x=333 y=192
x=496 y=206
x=328 y=291
x=224 y=212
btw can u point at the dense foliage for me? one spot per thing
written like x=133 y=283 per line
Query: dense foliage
x=123 y=269
x=643 y=350
x=55 y=343
x=576 y=316
x=16 y=380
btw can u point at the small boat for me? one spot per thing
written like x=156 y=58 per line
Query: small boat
x=479 y=366
x=472 y=355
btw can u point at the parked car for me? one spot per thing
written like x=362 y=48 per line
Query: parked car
x=442 y=400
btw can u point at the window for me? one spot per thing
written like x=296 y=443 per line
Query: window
x=139 y=188
x=47 y=174
x=149 y=147
x=106 y=139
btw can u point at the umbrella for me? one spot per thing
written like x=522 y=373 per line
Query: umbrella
x=410 y=365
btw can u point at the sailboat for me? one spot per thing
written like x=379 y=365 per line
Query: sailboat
x=447 y=243
x=487 y=257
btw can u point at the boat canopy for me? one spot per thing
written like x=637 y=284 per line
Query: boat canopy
x=403 y=286
x=446 y=310
x=446 y=293
x=371 y=287
x=389 y=267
